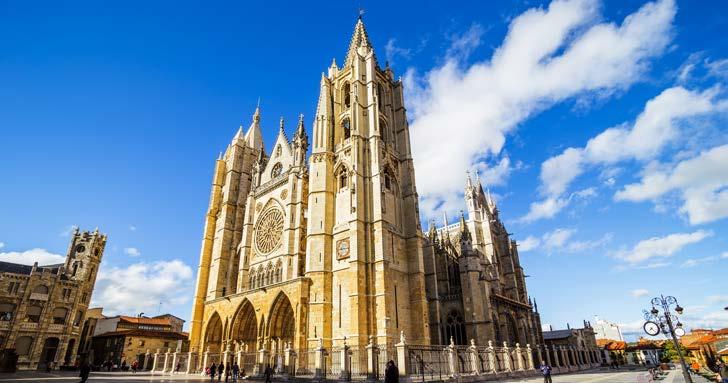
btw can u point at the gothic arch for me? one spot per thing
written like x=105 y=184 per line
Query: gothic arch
x=245 y=324
x=454 y=328
x=213 y=333
x=281 y=319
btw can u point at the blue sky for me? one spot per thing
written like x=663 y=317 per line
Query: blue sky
x=599 y=126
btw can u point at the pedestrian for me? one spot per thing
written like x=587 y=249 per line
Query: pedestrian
x=268 y=373
x=177 y=367
x=85 y=371
x=220 y=370
x=546 y=371
x=134 y=366
x=695 y=366
x=213 y=368
x=391 y=373
x=236 y=371
x=722 y=370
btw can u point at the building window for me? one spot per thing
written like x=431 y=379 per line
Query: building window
x=383 y=130
x=22 y=345
x=34 y=314
x=343 y=180
x=455 y=328
x=59 y=315
x=346 y=125
x=276 y=171
x=77 y=319
x=7 y=311
x=380 y=96
x=387 y=182
x=347 y=95
x=41 y=290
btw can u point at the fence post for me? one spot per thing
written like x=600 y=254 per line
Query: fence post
x=540 y=355
x=319 y=361
x=403 y=358
x=519 y=357
x=452 y=359
x=174 y=362
x=507 y=362
x=529 y=360
x=259 y=369
x=155 y=364
x=286 y=359
x=372 y=360
x=147 y=360
x=345 y=373
x=191 y=361
x=205 y=359
x=491 y=357
x=473 y=355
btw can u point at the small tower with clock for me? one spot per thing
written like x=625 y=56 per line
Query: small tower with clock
x=84 y=256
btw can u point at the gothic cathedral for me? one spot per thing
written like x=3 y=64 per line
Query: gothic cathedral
x=301 y=254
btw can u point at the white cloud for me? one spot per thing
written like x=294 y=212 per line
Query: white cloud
x=132 y=228
x=140 y=287
x=132 y=251
x=560 y=240
x=660 y=247
x=68 y=230
x=2 y=244
x=529 y=243
x=638 y=293
x=544 y=209
x=654 y=128
x=392 y=51
x=701 y=182
x=692 y=262
x=548 y=56
x=724 y=255
x=28 y=257
x=718 y=299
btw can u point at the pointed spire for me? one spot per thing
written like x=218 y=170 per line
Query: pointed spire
x=358 y=39
x=281 y=125
x=468 y=181
x=535 y=305
x=300 y=131
x=254 y=137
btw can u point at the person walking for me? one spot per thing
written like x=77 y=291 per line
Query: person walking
x=695 y=366
x=220 y=370
x=546 y=371
x=85 y=371
x=236 y=371
x=722 y=369
x=213 y=368
x=268 y=373
x=134 y=366
x=391 y=373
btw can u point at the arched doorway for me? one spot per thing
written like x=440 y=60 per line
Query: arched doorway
x=69 y=352
x=213 y=337
x=48 y=355
x=281 y=328
x=512 y=327
x=244 y=332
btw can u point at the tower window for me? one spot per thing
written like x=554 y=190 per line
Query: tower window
x=387 y=182
x=383 y=129
x=346 y=124
x=347 y=95
x=343 y=180
x=380 y=96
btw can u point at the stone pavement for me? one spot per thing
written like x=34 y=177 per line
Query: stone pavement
x=594 y=376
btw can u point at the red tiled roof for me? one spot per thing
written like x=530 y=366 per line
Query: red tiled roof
x=145 y=333
x=142 y=320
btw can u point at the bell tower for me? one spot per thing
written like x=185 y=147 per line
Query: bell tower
x=364 y=251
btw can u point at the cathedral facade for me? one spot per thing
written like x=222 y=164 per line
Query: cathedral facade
x=307 y=251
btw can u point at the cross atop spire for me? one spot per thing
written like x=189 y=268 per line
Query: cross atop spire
x=358 y=39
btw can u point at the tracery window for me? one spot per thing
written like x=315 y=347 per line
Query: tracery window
x=455 y=328
x=347 y=95
x=276 y=171
x=380 y=96
x=343 y=180
x=346 y=125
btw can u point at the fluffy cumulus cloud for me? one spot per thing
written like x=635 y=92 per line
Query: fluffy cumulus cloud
x=28 y=257
x=701 y=182
x=548 y=56
x=639 y=293
x=140 y=287
x=132 y=251
x=659 y=247
x=656 y=126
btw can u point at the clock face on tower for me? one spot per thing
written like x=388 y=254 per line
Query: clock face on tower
x=342 y=248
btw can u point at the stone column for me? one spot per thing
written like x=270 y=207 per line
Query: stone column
x=346 y=363
x=166 y=361
x=529 y=360
x=372 y=360
x=548 y=355
x=557 y=360
x=539 y=354
x=452 y=359
x=226 y=355
x=519 y=357
x=287 y=359
x=174 y=361
x=205 y=360
x=402 y=358
x=191 y=361
x=507 y=362
x=262 y=361
x=473 y=354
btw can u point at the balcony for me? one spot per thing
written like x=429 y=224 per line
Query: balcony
x=28 y=326
x=56 y=327
x=38 y=297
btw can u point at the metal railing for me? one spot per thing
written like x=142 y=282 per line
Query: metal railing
x=428 y=362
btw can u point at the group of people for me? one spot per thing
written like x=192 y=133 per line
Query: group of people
x=233 y=372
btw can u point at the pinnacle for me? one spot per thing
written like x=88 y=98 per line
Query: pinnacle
x=358 y=39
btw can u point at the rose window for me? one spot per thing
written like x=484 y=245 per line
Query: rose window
x=269 y=232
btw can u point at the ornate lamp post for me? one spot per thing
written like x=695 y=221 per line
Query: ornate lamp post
x=668 y=324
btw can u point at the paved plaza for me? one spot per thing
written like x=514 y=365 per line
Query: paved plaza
x=605 y=376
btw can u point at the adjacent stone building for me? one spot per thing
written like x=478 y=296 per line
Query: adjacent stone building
x=303 y=254
x=42 y=308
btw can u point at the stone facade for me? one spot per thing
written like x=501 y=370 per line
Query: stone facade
x=327 y=253
x=476 y=287
x=43 y=307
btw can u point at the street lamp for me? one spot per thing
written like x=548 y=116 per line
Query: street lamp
x=656 y=323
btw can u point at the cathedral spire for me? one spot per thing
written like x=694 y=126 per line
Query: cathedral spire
x=254 y=137
x=360 y=38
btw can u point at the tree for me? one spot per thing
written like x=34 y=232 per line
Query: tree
x=669 y=352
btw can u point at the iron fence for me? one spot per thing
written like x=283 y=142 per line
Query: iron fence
x=428 y=362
